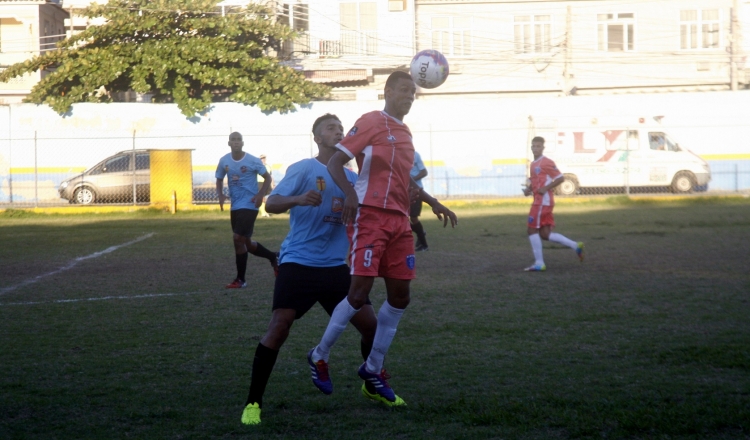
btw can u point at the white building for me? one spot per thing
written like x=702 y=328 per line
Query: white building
x=27 y=28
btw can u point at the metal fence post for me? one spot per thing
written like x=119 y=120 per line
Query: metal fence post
x=36 y=175
x=432 y=165
x=133 y=162
x=627 y=161
x=447 y=185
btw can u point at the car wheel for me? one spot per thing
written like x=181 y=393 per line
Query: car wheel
x=84 y=196
x=569 y=186
x=683 y=183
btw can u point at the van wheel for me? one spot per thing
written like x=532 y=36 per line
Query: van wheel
x=84 y=196
x=683 y=182
x=569 y=186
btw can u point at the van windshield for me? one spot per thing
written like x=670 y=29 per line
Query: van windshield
x=660 y=141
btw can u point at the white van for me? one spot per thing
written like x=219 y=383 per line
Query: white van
x=622 y=152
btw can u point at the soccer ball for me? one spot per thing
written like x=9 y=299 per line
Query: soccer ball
x=429 y=69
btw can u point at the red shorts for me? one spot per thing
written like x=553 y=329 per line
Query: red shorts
x=382 y=244
x=541 y=215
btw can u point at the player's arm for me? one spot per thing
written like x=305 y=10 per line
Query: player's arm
x=336 y=168
x=421 y=175
x=277 y=204
x=552 y=185
x=439 y=209
x=267 y=181
x=220 y=192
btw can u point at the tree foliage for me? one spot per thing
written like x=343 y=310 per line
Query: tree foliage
x=178 y=50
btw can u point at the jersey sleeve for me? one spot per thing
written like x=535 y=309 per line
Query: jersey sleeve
x=221 y=172
x=549 y=168
x=359 y=137
x=294 y=180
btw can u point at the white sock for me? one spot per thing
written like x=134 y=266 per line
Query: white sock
x=339 y=318
x=536 y=247
x=388 y=318
x=563 y=240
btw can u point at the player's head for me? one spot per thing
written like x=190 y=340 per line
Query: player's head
x=235 y=141
x=327 y=131
x=537 y=146
x=399 y=94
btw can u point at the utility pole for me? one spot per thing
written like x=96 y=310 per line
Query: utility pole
x=567 y=83
x=733 y=43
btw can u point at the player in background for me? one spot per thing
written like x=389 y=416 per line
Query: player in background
x=376 y=213
x=261 y=181
x=544 y=178
x=417 y=173
x=242 y=170
x=312 y=263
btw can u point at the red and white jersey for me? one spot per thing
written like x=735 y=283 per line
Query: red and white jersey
x=383 y=148
x=543 y=171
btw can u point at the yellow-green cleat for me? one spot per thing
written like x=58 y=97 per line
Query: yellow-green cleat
x=579 y=251
x=378 y=398
x=251 y=414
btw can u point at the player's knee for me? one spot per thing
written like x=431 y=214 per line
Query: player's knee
x=276 y=335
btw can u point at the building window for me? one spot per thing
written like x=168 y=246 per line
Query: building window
x=699 y=29
x=532 y=33
x=616 y=32
x=451 y=35
x=296 y=16
x=359 y=28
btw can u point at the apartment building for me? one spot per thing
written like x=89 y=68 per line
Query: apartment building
x=27 y=28
x=585 y=46
x=495 y=47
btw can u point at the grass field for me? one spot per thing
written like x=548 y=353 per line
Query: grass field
x=648 y=338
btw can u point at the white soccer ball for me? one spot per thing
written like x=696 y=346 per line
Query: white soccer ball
x=429 y=69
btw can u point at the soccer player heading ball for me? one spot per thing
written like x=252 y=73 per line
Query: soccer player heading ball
x=376 y=210
x=312 y=263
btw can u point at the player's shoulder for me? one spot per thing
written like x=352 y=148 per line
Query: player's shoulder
x=546 y=160
x=250 y=158
x=301 y=165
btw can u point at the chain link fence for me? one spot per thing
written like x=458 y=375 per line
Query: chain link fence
x=39 y=169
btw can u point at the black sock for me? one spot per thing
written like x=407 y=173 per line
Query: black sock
x=366 y=348
x=263 y=362
x=419 y=230
x=260 y=251
x=241 y=260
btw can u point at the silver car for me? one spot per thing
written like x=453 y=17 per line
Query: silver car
x=115 y=179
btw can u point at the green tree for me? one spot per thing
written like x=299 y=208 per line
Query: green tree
x=178 y=50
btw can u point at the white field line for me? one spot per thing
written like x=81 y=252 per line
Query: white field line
x=73 y=263
x=100 y=298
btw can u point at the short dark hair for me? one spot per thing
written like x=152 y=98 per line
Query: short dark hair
x=538 y=139
x=320 y=120
x=395 y=76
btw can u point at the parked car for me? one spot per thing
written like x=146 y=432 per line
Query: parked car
x=114 y=179
x=117 y=177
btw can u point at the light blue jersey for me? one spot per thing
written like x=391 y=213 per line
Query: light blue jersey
x=242 y=180
x=417 y=167
x=317 y=237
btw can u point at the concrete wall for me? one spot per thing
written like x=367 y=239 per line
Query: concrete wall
x=457 y=138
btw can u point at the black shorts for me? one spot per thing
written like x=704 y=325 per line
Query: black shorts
x=299 y=287
x=415 y=209
x=243 y=221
